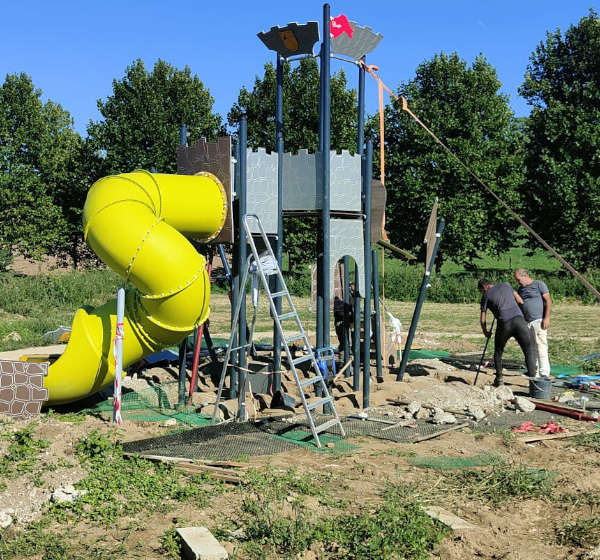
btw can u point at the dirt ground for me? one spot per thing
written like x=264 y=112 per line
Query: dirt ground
x=517 y=530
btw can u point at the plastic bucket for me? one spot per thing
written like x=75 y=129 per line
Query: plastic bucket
x=540 y=387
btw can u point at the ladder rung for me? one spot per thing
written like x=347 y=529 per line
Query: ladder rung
x=279 y=294
x=317 y=404
x=294 y=337
x=287 y=315
x=310 y=381
x=302 y=359
x=326 y=425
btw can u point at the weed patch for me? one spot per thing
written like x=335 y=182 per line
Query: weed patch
x=22 y=453
x=118 y=486
x=582 y=533
x=279 y=521
x=503 y=483
x=591 y=441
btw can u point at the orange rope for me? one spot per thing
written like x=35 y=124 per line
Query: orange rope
x=371 y=70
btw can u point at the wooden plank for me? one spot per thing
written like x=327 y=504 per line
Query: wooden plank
x=440 y=433
x=544 y=437
x=199 y=462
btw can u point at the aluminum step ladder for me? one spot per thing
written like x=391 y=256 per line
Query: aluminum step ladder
x=264 y=266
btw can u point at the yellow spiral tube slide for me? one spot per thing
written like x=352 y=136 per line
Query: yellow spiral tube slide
x=139 y=224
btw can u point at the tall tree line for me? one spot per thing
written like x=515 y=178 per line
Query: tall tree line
x=546 y=166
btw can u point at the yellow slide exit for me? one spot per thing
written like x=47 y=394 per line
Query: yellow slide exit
x=139 y=224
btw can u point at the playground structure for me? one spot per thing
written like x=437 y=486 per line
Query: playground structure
x=335 y=187
x=140 y=224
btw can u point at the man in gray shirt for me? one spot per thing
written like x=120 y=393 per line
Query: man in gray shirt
x=504 y=303
x=536 y=307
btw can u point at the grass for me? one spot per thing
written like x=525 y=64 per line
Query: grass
x=503 y=483
x=581 y=533
x=22 y=455
x=590 y=441
x=119 y=493
x=277 y=521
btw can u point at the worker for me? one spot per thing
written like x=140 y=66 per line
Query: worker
x=504 y=303
x=536 y=307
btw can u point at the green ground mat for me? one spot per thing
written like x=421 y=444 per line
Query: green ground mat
x=427 y=354
x=566 y=370
x=156 y=403
x=453 y=463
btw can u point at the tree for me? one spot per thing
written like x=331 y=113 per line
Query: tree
x=141 y=120
x=301 y=129
x=42 y=187
x=464 y=108
x=562 y=193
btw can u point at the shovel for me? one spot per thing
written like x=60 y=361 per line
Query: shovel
x=487 y=340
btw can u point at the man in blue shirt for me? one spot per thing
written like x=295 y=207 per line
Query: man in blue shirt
x=536 y=307
x=504 y=302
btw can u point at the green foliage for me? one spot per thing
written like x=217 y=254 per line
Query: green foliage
x=117 y=486
x=591 y=441
x=503 y=483
x=23 y=452
x=562 y=190
x=41 y=184
x=581 y=533
x=170 y=544
x=301 y=131
x=6 y=257
x=38 y=304
x=403 y=281
x=36 y=541
x=277 y=523
x=463 y=106
x=141 y=119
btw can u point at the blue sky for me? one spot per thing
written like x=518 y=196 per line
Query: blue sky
x=74 y=49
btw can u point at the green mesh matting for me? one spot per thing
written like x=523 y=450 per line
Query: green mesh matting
x=427 y=354
x=454 y=463
x=231 y=440
x=566 y=370
x=329 y=441
x=155 y=403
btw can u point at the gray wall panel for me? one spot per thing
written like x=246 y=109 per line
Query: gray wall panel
x=261 y=197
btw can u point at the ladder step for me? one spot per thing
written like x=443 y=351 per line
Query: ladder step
x=310 y=381
x=317 y=404
x=287 y=315
x=294 y=337
x=279 y=294
x=326 y=425
x=303 y=359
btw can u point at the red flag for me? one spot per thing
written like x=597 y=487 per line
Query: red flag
x=339 y=25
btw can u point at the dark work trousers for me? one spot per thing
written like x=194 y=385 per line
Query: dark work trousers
x=517 y=327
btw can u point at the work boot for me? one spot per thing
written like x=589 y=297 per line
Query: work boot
x=499 y=381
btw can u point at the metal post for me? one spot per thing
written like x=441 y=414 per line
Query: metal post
x=279 y=246
x=367 y=174
x=182 y=371
x=325 y=178
x=118 y=350
x=236 y=275
x=183 y=344
x=420 y=300
x=241 y=264
x=377 y=331
x=361 y=108
x=346 y=337
x=360 y=140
